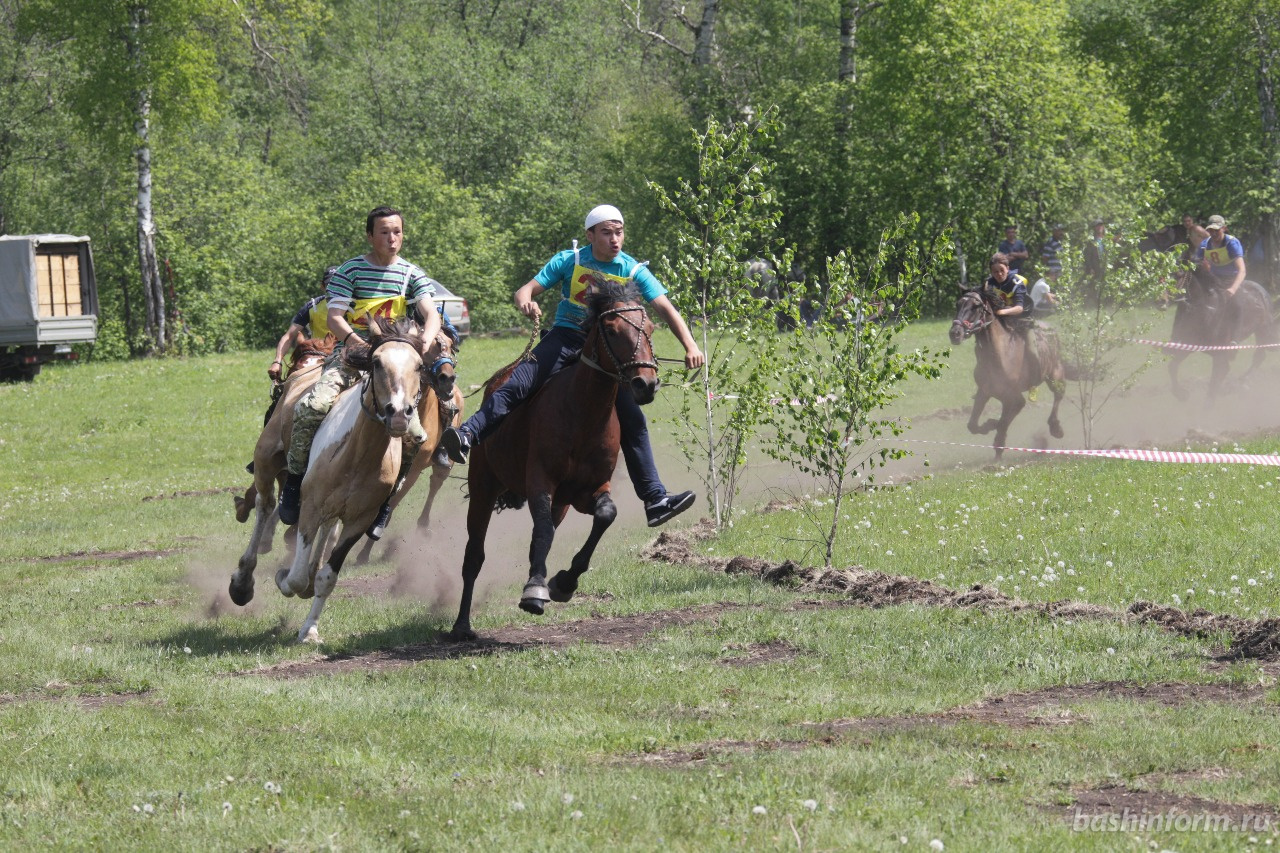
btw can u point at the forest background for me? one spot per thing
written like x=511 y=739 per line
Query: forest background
x=246 y=139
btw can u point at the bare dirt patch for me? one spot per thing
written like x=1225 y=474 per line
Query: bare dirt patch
x=614 y=631
x=1249 y=638
x=756 y=654
x=56 y=692
x=74 y=556
x=199 y=493
x=1125 y=808
x=1049 y=707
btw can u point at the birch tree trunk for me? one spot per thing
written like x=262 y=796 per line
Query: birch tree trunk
x=1263 y=27
x=705 y=34
x=152 y=289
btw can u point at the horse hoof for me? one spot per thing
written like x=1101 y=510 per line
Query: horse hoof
x=241 y=594
x=562 y=587
x=1055 y=430
x=462 y=635
x=310 y=635
x=282 y=582
x=534 y=598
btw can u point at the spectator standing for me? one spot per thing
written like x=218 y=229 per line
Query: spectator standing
x=1014 y=249
x=1049 y=251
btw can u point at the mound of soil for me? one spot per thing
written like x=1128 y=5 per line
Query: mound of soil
x=1249 y=638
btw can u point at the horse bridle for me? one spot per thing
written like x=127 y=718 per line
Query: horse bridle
x=973 y=327
x=366 y=384
x=618 y=364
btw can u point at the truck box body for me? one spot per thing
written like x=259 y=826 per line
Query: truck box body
x=48 y=294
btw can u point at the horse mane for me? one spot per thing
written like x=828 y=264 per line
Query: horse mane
x=385 y=331
x=311 y=347
x=604 y=292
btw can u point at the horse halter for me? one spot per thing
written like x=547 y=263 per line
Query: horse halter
x=619 y=366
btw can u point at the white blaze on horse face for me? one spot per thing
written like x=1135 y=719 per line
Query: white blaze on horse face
x=398 y=384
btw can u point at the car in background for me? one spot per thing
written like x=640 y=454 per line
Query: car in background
x=455 y=308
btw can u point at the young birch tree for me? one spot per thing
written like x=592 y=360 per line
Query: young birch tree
x=725 y=217
x=837 y=378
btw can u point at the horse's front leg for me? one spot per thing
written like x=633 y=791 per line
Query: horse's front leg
x=1009 y=409
x=1218 y=376
x=535 y=596
x=565 y=583
x=326 y=579
x=439 y=475
x=241 y=587
x=980 y=401
x=1059 y=388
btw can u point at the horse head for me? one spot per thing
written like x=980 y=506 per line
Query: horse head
x=973 y=314
x=311 y=350
x=620 y=340
x=441 y=366
x=393 y=363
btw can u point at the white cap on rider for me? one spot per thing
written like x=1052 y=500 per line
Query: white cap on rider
x=602 y=213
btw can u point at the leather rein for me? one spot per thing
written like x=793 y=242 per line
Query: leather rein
x=972 y=327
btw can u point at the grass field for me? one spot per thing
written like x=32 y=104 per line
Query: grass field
x=670 y=706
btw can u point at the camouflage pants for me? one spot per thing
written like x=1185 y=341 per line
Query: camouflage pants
x=311 y=410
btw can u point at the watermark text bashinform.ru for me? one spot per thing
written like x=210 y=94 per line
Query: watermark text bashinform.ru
x=1171 y=821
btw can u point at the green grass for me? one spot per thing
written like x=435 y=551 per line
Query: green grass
x=485 y=752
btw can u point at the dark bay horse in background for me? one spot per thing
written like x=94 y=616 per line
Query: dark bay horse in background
x=1005 y=367
x=558 y=449
x=1203 y=318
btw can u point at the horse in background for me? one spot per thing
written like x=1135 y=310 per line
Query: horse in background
x=1204 y=318
x=270 y=454
x=354 y=463
x=558 y=449
x=1006 y=365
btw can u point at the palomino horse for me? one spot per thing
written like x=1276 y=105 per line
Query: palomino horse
x=559 y=448
x=1005 y=368
x=1206 y=319
x=434 y=419
x=269 y=462
x=353 y=467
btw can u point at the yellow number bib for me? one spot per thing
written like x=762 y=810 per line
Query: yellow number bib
x=581 y=278
x=387 y=307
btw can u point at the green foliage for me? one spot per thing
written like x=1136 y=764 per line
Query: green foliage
x=838 y=378
x=726 y=217
x=1097 y=322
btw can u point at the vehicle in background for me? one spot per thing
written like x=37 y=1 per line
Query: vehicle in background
x=455 y=308
x=48 y=301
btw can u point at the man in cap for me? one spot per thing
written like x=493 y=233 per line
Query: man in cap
x=1222 y=257
x=602 y=255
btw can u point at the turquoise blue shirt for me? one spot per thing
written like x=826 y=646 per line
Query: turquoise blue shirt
x=558 y=272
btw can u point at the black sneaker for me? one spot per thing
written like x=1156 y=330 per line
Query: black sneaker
x=456 y=443
x=668 y=507
x=380 y=523
x=291 y=499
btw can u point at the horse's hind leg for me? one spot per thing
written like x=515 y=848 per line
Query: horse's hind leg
x=534 y=597
x=1218 y=376
x=325 y=581
x=241 y=587
x=565 y=583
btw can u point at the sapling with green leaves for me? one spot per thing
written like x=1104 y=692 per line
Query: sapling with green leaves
x=838 y=377
x=725 y=218
x=1097 y=321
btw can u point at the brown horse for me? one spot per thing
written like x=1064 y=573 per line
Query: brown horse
x=559 y=449
x=269 y=456
x=1006 y=368
x=1205 y=318
x=354 y=463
